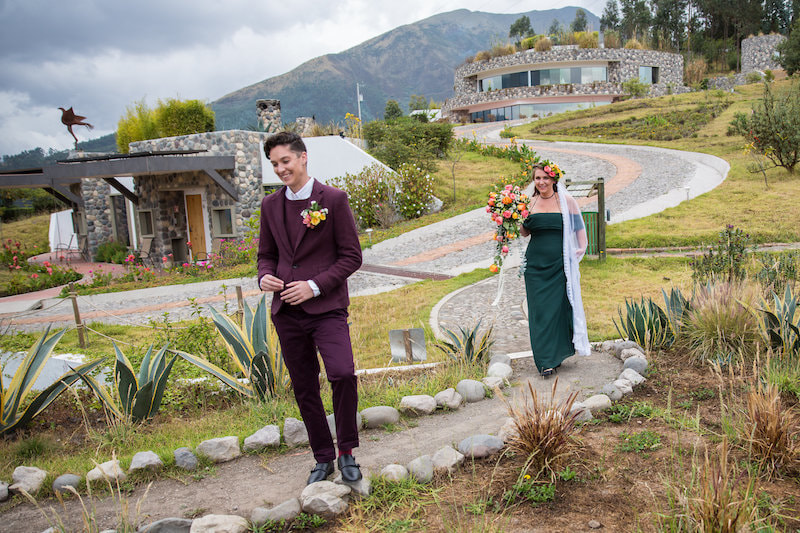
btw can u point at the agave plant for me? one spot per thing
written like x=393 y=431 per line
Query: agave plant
x=21 y=384
x=778 y=326
x=465 y=346
x=255 y=351
x=677 y=307
x=139 y=396
x=645 y=323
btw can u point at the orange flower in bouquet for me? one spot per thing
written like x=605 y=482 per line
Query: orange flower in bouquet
x=507 y=207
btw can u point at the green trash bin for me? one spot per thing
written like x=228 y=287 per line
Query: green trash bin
x=590 y=221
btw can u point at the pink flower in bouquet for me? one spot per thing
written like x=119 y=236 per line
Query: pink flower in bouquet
x=499 y=221
x=505 y=249
x=507 y=214
x=525 y=213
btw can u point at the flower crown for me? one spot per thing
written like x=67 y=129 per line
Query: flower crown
x=552 y=169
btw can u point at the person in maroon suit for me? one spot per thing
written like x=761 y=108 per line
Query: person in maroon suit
x=308 y=247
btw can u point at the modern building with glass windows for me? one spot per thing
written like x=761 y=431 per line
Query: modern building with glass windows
x=529 y=83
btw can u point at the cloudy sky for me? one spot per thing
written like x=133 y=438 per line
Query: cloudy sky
x=100 y=56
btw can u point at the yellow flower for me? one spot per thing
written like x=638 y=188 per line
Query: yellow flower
x=314 y=220
x=315 y=214
x=322 y=216
x=527 y=476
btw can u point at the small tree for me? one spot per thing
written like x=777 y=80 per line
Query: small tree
x=580 y=22
x=635 y=87
x=392 y=110
x=520 y=28
x=773 y=128
x=416 y=102
x=790 y=50
x=555 y=28
x=610 y=18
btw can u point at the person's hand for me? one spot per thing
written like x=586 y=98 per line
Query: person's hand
x=297 y=292
x=270 y=283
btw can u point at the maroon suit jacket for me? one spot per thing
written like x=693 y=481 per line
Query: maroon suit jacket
x=326 y=254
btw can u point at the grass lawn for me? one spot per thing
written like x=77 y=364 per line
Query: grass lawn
x=768 y=214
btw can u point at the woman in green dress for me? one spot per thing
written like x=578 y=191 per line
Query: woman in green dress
x=552 y=280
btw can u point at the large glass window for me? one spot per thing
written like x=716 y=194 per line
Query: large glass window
x=648 y=75
x=529 y=111
x=546 y=76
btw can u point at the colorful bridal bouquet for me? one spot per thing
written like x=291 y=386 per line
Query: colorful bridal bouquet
x=507 y=207
x=313 y=215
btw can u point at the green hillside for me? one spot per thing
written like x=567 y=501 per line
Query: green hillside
x=418 y=58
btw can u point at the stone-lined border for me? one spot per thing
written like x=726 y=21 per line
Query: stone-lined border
x=330 y=499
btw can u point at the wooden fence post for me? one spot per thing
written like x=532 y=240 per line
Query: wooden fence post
x=240 y=302
x=78 y=324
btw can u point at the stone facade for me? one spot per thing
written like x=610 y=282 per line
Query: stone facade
x=758 y=53
x=621 y=64
x=97 y=205
x=269 y=115
x=163 y=195
x=304 y=125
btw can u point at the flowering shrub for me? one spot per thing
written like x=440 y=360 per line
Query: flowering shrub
x=13 y=256
x=237 y=251
x=414 y=191
x=136 y=271
x=31 y=277
x=507 y=207
x=518 y=153
x=369 y=192
x=196 y=269
x=111 y=251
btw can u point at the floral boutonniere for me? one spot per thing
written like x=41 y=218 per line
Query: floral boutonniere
x=314 y=215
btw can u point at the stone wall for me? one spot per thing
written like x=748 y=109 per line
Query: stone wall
x=304 y=125
x=758 y=53
x=97 y=209
x=162 y=193
x=269 y=115
x=622 y=65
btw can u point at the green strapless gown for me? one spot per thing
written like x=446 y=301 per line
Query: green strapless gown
x=549 y=310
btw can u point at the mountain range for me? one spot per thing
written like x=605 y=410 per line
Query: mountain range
x=418 y=58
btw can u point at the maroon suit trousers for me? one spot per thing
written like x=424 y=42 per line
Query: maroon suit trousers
x=301 y=334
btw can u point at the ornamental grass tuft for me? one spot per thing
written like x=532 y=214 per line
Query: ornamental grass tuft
x=720 y=326
x=544 y=429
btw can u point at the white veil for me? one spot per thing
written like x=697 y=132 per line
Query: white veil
x=574 y=248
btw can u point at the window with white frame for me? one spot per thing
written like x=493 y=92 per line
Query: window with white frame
x=146 y=223
x=222 y=222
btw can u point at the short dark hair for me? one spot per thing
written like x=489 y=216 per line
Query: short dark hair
x=293 y=140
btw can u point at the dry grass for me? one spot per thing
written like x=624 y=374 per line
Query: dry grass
x=720 y=326
x=543 y=45
x=723 y=500
x=544 y=430
x=772 y=430
x=606 y=285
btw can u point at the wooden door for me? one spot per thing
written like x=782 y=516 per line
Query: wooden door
x=197 y=229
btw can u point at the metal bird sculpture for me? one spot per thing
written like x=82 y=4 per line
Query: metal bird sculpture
x=69 y=119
